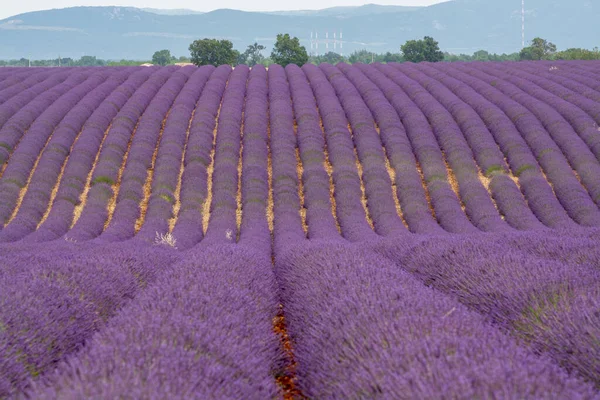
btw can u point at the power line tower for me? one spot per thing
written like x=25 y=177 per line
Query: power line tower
x=315 y=41
x=522 y=24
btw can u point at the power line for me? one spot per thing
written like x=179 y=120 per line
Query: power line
x=522 y=24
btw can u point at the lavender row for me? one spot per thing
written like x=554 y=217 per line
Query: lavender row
x=548 y=136
x=445 y=203
x=188 y=229
x=222 y=227
x=17 y=96
x=582 y=113
x=15 y=81
x=112 y=155
x=369 y=150
x=485 y=151
x=170 y=154
x=523 y=165
x=121 y=225
x=582 y=96
x=44 y=178
x=287 y=228
x=565 y=185
x=254 y=229
x=363 y=328
x=76 y=292
x=311 y=144
x=475 y=198
x=409 y=187
x=31 y=127
x=81 y=160
x=592 y=85
x=202 y=330
x=570 y=128
x=550 y=303
x=350 y=211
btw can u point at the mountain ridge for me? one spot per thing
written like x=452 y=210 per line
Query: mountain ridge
x=459 y=26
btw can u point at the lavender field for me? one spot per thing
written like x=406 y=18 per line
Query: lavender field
x=399 y=231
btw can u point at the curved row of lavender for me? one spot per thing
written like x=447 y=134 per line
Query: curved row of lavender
x=427 y=231
x=204 y=329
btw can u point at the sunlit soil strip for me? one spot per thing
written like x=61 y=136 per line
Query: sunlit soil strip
x=24 y=188
x=270 y=201
x=329 y=170
x=549 y=182
x=363 y=196
x=287 y=379
x=453 y=181
x=300 y=171
x=426 y=189
x=3 y=168
x=149 y=178
x=392 y=174
x=580 y=181
x=112 y=204
x=58 y=180
x=510 y=174
x=11 y=153
x=238 y=197
x=88 y=182
x=177 y=194
x=486 y=181
x=209 y=176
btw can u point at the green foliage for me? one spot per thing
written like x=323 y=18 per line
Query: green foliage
x=361 y=56
x=494 y=169
x=252 y=55
x=288 y=51
x=330 y=58
x=6 y=146
x=126 y=63
x=103 y=179
x=578 y=54
x=392 y=57
x=162 y=57
x=90 y=61
x=213 y=52
x=422 y=50
x=540 y=49
x=481 y=55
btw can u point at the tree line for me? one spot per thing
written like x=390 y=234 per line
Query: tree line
x=287 y=50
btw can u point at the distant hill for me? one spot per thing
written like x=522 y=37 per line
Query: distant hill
x=177 y=11
x=346 y=12
x=459 y=26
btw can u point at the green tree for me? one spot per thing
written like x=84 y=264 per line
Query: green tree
x=329 y=57
x=361 y=56
x=252 y=55
x=392 y=57
x=162 y=57
x=481 y=55
x=578 y=54
x=213 y=52
x=288 y=51
x=422 y=50
x=540 y=49
x=90 y=61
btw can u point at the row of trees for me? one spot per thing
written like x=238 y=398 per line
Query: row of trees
x=288 y=50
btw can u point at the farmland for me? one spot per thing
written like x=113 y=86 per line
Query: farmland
x=351 y=231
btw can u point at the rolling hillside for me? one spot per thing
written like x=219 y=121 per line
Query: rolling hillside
x=459 y=26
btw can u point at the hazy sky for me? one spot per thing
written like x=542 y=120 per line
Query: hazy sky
x=9 y=8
